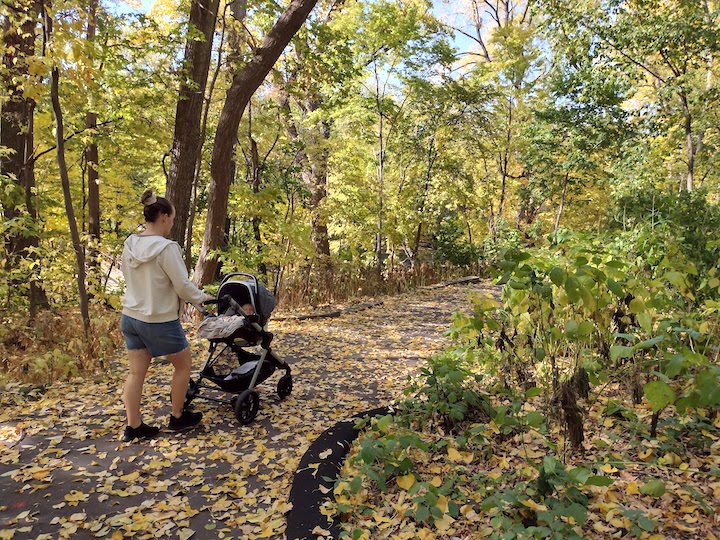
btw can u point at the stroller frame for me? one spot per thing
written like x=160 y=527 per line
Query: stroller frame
x=245 y=399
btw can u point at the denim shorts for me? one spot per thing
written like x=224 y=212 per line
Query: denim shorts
x=161 y=339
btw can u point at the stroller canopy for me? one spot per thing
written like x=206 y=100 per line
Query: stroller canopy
x=246 y=291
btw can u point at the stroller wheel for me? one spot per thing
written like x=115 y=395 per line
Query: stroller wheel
x=246 y=406
x=285 y=386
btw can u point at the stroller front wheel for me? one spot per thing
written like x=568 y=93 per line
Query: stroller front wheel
x=246 y=406
x=285 y=386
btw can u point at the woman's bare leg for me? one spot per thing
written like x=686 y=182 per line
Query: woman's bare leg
x=182 y=362
x=139 y=360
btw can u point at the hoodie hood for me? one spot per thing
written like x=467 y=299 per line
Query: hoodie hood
x=142 y=249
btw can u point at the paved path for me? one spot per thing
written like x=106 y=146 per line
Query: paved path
x=70 y=476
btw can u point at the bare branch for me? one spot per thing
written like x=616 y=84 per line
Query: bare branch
x=33 y=158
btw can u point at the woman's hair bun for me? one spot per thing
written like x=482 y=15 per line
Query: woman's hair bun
x=148 y=197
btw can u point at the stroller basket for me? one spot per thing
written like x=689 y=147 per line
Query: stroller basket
x=243 y=307
x=239 y=379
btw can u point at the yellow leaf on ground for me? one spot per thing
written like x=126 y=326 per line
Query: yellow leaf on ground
x=632 y=488
x=454 y=455
x=130 y=477
x=184 y=534
x=535 y=506
x=406 y=482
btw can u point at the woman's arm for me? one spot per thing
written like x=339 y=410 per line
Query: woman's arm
x=171 y=262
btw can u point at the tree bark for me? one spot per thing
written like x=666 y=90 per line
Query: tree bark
x=67 y=196
x=17 y=135
x=243 y=86
x=186 y=138
x=92 y=158
x=314 y=166
x=255 y=167
x=689 y=144
x=380 y=253
x=431 y=156
x=562 y=202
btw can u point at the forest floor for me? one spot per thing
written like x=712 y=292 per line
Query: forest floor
x=65 y=473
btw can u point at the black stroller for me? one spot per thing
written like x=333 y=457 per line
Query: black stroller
x=243 y=309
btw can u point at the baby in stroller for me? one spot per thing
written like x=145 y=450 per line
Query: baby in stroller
x=243 y=308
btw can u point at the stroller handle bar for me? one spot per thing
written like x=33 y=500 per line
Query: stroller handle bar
x=245 y=274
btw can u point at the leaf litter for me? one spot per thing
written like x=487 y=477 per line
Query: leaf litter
x=63 y=469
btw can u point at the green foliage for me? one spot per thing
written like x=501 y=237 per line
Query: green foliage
x=552 y=507
x=446 y=392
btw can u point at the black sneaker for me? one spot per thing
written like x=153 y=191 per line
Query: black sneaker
x=143 y=431
x=186 y=421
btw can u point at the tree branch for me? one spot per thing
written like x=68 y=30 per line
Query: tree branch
x=33 y=158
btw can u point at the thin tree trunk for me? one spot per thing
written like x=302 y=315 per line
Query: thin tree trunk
x=689 y=144
x=92 y=159
x=67 y=196
x=379 y=239
x=243 y=86
x=421 y=209
x=186 y=139
x=255 y=171
x=562 y=202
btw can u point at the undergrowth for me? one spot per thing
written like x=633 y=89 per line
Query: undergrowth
x=53 y=346
x=585 y=404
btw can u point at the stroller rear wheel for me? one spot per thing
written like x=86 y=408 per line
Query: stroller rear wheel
x=285 y=386
x=246 y=406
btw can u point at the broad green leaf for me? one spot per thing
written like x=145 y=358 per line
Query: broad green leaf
x=615 y=288
x=654 y=488
x=707 y=382
x=572 y=288
x=645 y=321
x=534 y=419
x=383 y=423
x=558 y=276
x=580 y=474
x=648 y=343
x=586 y=328
x=675 y=278
x=621 y=351
x=571 y=328
x=659 y=394
x=637 y=306
x=675 y=366
x=601 y=481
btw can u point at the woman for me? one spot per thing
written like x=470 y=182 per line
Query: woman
x=155 y=280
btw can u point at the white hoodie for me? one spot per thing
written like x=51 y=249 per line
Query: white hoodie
x=155 y=276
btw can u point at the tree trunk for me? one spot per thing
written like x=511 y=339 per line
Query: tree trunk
x=431 y=156
x=379 y=239
x=314 y=177
x=186 y=139
x=314 y=164
x=91 y=158
x=67 y=196
x=562 y=202
x=255 y=167
x=17 y=136
x=689 y=144
x=243 y=86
